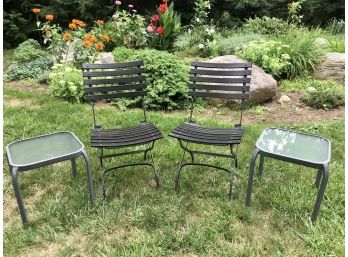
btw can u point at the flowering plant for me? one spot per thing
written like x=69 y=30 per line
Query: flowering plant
x=127 y=28
x=294 y=9
x=163 y=27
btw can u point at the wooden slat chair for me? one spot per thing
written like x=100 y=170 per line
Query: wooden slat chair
x=214 y=80
x=112 y=81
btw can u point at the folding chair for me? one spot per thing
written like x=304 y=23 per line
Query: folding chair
x=214 y=80
x=112 y=81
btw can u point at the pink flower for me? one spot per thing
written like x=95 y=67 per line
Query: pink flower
x=118 y=2
x=155 y=19
x=130 y=6
x=151 y=28
x=134 y=10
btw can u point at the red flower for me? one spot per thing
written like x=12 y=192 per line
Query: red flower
x=160 y=30
x=154 y=19
x=163 y=7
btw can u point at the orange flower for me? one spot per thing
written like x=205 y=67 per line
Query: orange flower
x=87 y=43
x=78 y=23
x=100 y=22
x=99 y=46
x=36 y=10
x=91 y=38
x=49 y=17
x=105 y=38
x=72 y=26
x=67 y=36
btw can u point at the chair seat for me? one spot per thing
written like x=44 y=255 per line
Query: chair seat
x=123 y=137
x=205 y=135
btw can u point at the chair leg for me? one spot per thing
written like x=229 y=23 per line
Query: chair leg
x=261 y=164
x=14 y=172
x=318 y=178
x=320 y=196
x=102 y=182
x=73 y=167
x=154 y=169
x=89 y=176
x=177 y=177
x=251 y=176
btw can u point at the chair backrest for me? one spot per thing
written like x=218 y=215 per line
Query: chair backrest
x=220 y=80
x=114 y=80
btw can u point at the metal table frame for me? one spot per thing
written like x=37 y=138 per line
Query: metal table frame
x=16 y=169
x=320 y=181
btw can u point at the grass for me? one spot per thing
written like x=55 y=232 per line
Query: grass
x=139 y=220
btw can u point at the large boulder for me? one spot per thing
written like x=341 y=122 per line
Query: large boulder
x=262 y=86
x=332 y=68
x=105 y=58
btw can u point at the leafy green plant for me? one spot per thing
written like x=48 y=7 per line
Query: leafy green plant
x=294 y=9
x=67 y=82
x=28 y=51
x=127 y=28
x=304 y=52
x=164 y=27
x=266 y=25
x=270 y=55
x=230 y=44
x=166 y=78
x=29 y=70
x=335 y=26
x=328 y=95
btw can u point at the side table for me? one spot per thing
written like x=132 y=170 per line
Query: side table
x=43 y=150
x=295 y=147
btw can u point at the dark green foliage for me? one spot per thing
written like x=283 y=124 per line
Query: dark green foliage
x=166 y=77
x=328 y=95
x=27 y=51
x=16 y=28
x=267 y=25
x=29 y=70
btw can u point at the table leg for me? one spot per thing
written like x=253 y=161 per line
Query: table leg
x=318 y=178
x=251 y=176
x=14 y=172
x=89 y=176
x=262 y=159
x=73 y=166
x=320 y=196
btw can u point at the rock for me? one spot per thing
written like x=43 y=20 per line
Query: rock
x=284 y=99
x=320 y=41
x=262 y=86
x=332 y=68
x=311 y=89
x=105 y=58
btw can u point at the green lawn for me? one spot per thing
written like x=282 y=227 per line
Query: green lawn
x=139 y=220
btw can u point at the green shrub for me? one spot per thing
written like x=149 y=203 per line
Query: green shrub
x=328 y=95
x=335 y=26
x=29 y=70
x=266 y=25
x=166 y=77
x=270 y=55
x=336 y=44
x=67 y=83
x=304 y=52
x=230 y=44
x=28 y=51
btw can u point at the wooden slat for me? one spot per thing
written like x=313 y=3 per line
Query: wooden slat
x=220 y=80
x=114 y=88
x=221 y=72
x=113 y=81
x=219 y=95
x=116 y=95
x=112 y=73
x=221 y=65
x=112 y=65
x=219 y=87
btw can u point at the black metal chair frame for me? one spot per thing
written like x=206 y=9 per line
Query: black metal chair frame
x=131 y=79
x=243 y=70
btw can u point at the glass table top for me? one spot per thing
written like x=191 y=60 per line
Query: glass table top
x=295 y=145
x=43 y=148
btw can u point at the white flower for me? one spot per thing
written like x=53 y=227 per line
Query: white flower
x=212 y=31
x=209 y=6
x=200 y=46
x=197 y=19
x=189 y=31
